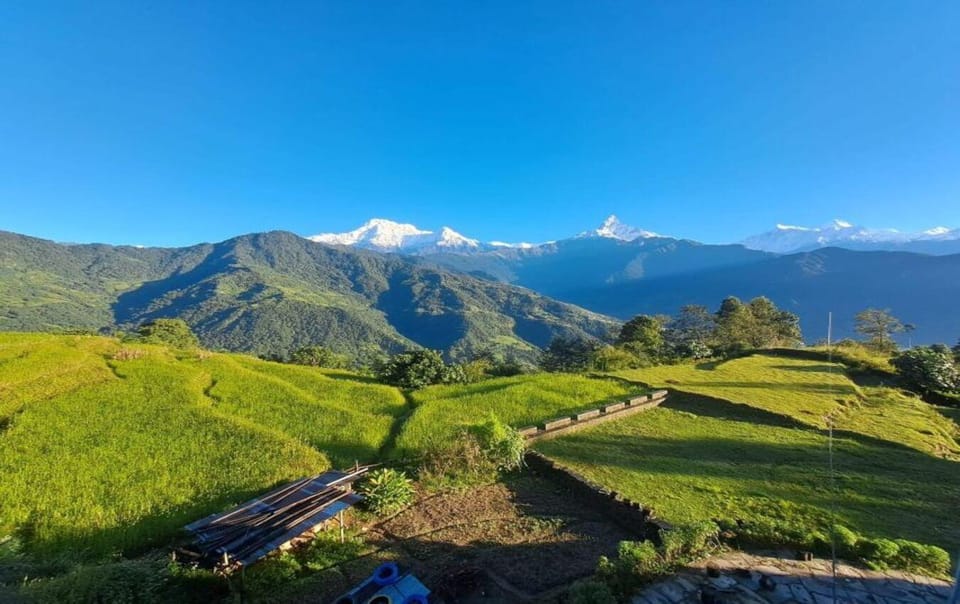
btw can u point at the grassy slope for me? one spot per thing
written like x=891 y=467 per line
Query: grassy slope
x=763 y=453
x=522 y=400
x=100 y=455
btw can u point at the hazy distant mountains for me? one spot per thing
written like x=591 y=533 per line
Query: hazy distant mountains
x=786 y=239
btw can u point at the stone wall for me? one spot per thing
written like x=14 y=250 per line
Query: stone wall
x=590 y=417
x=632 y=516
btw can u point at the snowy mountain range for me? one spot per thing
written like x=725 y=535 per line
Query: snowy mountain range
x=786 y=239
x=384 y=235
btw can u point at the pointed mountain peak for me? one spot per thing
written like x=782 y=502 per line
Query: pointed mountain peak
x=385 y=235
x=613 y=228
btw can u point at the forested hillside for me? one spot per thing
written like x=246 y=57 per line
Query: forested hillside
x=274 y=292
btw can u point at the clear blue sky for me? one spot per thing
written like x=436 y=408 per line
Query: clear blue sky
x=166 y=123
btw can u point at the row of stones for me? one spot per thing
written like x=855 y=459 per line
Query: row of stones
x=653 y=399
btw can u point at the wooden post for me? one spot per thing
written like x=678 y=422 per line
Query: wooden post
x=340 y=520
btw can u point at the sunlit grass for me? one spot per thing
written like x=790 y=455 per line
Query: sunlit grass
x=518 y=401
x=751 y=445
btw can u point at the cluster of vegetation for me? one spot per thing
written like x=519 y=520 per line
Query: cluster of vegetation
x=442 y=412
x=930 y=369
x=474 y=455
x=763 y=420
x=386 y=491
x=640 y=562
x=695 y=333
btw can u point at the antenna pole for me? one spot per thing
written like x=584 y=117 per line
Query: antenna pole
x=833 y=476
x=829 y=328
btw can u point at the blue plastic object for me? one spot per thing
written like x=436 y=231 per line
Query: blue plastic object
x=415 y=599
x=386 y=574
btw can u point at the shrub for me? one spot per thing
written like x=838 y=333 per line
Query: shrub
x=590 y=591
x=846 y=539
x=878 y=553
x=172 y=332
x=925 y=558
x=318 y=356
x=386 y=491
x=686 y=541
x=501 y=444
x=929 y=369
x=417 y=369
x=459 y=461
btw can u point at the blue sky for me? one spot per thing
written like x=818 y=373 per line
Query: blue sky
x=176 y=122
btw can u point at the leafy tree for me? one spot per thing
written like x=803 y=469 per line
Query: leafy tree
x=172 y=332
x=643 y=334
x=418 y=368
x=757 y=324
x=690 y=334
x=570 y=355
x=930 y=369
x=612 y=358
x=318 y=356
x=956 y=351
x=878 y=326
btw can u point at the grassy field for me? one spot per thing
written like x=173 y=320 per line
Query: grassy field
x=748 y=442
x=522 y=400
x=99 y=454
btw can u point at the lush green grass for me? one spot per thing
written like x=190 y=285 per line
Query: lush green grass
x=806 y=390
x=762 y=454
x=102 y=454
x=332 y=415
x=522 y=400
x=127 y=462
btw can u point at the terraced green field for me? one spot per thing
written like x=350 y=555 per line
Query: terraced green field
x=99 y=454
x=523 y=400
x=746 y=440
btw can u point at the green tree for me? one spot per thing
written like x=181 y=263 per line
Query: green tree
x=172 y=332
x=418 y=368
x=878 y=327
x=318 y=356
x=612 y=358
x=690 y=334
x=643 y=335
x=930 y=369
x=570 y=355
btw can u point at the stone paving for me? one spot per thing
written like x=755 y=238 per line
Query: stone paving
x=739 y=578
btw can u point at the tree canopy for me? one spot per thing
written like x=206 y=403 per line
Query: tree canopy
x=172 y=332
x=878 y=327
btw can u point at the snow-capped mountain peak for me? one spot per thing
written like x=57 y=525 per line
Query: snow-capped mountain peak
x=612 y=228
x=385 y=235
x=786 y=239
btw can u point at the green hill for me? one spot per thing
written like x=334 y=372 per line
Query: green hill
x=274 y=292
x=110 y=447
x=745 y=441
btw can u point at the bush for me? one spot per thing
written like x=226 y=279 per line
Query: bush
x=879 y=554
x=386 y=491
x=417 y=369
x=686 y=541
x=590 y=591
x=502 y=445
x=639 y=562
x=172 y=332
x=318 y=356
x=922 y=558
x=846 y=539
x=929 y=369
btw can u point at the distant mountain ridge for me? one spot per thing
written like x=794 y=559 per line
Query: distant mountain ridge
x=273 y=292
x=383 y=235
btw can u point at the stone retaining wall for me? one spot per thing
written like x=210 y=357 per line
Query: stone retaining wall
x=629 y=515
x=590 y=417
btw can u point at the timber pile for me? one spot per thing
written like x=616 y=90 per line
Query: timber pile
x=247 y=533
